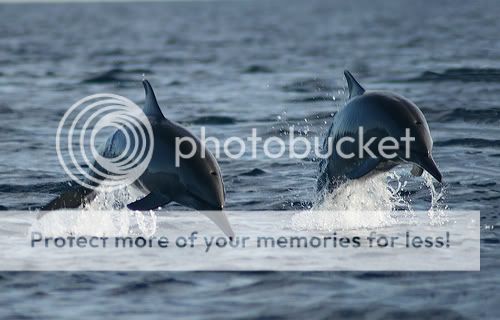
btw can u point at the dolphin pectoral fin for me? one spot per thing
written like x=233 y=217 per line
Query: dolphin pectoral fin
x=416 y=171
x=149 y=202
x=364 y=168
x=355 y=89
x=220 y=219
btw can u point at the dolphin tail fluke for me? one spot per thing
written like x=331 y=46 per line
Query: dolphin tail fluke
x=220 y=219
x=73 y=198
x=355 y=89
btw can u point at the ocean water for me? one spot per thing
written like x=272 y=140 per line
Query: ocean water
x=236 y=65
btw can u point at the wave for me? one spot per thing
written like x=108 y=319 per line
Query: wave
x=469 y=142
x=148 y=284
x=4 y=109
x=257 y=69
x=283 y=131
x=117 y=75
x=53 y=187
x=317 y=98
x=491 y=115
x=213 y=120
x=181 y=60
x=309 y=85
x=254 y=172
x=323 y=115
x=175 y=83
x=460 y=74
x=114 y=52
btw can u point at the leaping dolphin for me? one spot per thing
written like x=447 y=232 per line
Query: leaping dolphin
x=380 y=115
x=195 y=183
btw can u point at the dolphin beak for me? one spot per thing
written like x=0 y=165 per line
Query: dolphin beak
x=220 y=219
x=428 y=164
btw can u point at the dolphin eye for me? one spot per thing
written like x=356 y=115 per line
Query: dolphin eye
x=417 y=122
x=213 y=173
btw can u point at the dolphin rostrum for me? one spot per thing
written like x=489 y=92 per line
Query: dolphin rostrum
x=376 y=117
x=196 y=182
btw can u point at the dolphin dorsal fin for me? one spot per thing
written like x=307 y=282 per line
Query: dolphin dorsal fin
x=151 y=107
x=355 y=89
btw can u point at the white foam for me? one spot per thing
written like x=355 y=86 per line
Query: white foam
x=107 y=215
x=346 y=208
x=81 y=222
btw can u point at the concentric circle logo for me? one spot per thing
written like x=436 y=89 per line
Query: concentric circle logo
x=104 y=139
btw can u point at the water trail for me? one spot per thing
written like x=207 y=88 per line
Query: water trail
x=106 y=215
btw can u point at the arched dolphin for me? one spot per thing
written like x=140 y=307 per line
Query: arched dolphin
x=375 y=116
x=196 y=182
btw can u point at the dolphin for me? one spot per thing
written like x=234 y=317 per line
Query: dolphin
x=374 y=115
x=195 y=182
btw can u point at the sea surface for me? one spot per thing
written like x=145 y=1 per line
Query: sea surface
x=231 y=66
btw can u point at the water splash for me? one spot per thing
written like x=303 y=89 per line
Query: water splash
x=382 y=195
x=82 y=222
x=112 y=199
x=346 y=207
x=107 y=215
x=437 y=212
x=370 y=193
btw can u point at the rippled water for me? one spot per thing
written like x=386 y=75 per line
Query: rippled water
x=232 y=66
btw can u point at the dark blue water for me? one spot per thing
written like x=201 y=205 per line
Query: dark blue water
x=232 y=66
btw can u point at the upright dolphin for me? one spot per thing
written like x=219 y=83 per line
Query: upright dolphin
x=375 y=116
x=196 y=181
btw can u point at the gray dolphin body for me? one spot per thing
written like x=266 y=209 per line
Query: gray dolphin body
x=380 y=115
x=196 y=182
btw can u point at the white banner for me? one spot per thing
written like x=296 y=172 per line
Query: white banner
x=76 y=240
